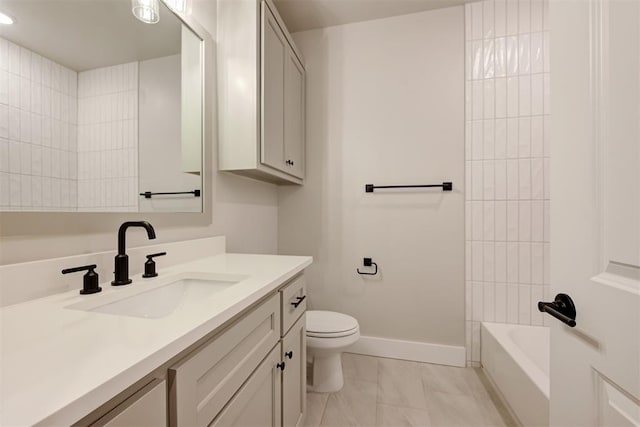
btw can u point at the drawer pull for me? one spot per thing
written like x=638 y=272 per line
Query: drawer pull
x=297 y=303
x=280 y=365
x=289 y=354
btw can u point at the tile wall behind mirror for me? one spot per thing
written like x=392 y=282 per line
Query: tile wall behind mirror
x=97 y=107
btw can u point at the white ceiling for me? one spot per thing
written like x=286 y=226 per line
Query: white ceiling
x=87 y=34
x=301 y=15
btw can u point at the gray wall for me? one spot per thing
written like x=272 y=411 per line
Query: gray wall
x=385 y=105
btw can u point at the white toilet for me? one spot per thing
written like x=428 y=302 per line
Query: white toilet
x=328 y=335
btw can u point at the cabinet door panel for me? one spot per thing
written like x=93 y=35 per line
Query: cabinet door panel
x=204 y=382
x=294 y=115
x=146 y=408
x=294 y=302
x=258 y=402
x=294 y=377
x=274 y=48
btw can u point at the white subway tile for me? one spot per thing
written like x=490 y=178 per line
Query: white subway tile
x=524 y=308
x=512 y=97
x=524 y=179
x=537 y=263
x=501 y=261
x=524 y=221
x=489 y=99
x=47 y=198
x=25 y=126
x=476 y=260
x=476 y=185
x=489 y=262
x=545 y=16
x=537 y=57
x=36 y=98
x=512 y=17
x=25 y=94
x=500 y=57
x=500 y=302
x=36 y=129
x=489 y=300
x=477 y=100
x=476 y=20
x=524 y=266
x=546 y=52
x=547 y=264
x=46 y=162
x=537 y=178
x=36 y=191
x=524 y=94
x=536 y=295
x=513 y=304
x=5 y=191
x=477 y=140
x=512 y=137
x=4 y=158
x=488 y=60
x=467 y=222
x=476 y=301
x=467 y=32
x=537 y=136
x=36 y=68
x=468 y=68
x=524 y=54
x=488 y=151
x=488 y=217
x=467 y=180
x=467 y=140
x=524 y=137
x=56 y=193
x=512 y=221
x=512 y=55
x=36 y=160
x=488 y=30
x=500 y=179
x=488 y=180
x=25 y=190
x=547 y=93
x=15 y=153
x=4 y=57
x=25 y=63
x=524 y=16
x=547 y=179
x=4 y=91
x=14 y=58
x=513 y=185
x=547 y=221
x=4 y=121
x=537 y=94
x=501 y=98
x=15 y=192
x=500 y=139
x=500 y=18
x=547 y=136
x=14 y=90
x=537 y=12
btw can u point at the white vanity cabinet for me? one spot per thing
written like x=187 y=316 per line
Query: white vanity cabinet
x=261 y=99
x=145 y=408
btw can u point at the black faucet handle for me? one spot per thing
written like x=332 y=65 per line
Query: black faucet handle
x=151 y=256
x=90 y=280
x=150 y=265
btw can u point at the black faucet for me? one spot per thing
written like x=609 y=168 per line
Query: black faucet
x=121 y=272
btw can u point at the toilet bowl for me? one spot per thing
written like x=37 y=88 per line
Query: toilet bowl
x=328 y=335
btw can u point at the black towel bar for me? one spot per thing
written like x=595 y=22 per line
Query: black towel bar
x=148 y=194
x=446 y=186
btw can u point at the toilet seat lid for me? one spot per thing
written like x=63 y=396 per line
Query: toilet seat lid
x=330 y=324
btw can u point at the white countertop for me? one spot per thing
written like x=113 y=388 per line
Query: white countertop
x=59 y=364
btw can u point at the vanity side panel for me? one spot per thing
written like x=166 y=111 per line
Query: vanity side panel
x=238 y=84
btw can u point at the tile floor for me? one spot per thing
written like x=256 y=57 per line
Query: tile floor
x=390 y=393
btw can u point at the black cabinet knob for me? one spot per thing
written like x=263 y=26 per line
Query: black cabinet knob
x=280 y=366
x=289 y=354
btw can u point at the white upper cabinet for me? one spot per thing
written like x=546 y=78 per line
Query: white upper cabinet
x=261 y=95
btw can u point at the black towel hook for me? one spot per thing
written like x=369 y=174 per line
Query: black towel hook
x=368 y=262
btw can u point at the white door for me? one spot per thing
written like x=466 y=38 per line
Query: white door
x=595 y=211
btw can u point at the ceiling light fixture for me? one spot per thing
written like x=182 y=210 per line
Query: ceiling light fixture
x=146 y=11
x=5 y=19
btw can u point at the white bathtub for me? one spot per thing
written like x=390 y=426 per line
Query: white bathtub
x=516 y=359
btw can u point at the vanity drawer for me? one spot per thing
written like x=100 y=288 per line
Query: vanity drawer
x=202 y=384
x=294 y=302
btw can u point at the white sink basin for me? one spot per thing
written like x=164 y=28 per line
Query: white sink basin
x=185 y=291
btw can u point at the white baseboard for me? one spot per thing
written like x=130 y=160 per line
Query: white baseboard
x=410 y=350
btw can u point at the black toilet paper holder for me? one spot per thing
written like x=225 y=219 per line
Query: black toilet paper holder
x=368 y=262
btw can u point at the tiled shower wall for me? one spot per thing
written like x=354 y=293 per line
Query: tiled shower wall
x=108 y=138
x=507 y=164
x=38 y=137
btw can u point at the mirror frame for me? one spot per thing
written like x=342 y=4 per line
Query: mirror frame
x=31 y=224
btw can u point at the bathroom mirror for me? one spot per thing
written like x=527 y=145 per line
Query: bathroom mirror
x=98 y=110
